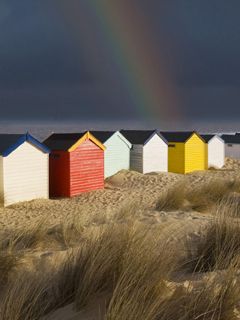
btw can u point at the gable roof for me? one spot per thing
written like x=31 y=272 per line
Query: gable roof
x=104 y=136
x=140 y=136
x=208 y=137
x=70 y=141
x=231 y=138
x=179 y=136
x=10 y=142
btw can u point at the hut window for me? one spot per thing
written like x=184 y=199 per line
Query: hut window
x=172 y=145
x=229 y=145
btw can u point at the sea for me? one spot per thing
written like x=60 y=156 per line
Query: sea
x=42 y=129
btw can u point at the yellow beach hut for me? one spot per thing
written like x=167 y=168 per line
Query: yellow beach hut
x=186 y=151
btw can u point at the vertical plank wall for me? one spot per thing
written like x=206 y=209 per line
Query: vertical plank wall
x=232 y=150
x=195 y=154
x=136 y=158
x=155 y=155
x=176 y=157
x=59 y=174
x=116 y=156
x=1 y=181
x=216 y=153
x=25 y=174
x=86 y=168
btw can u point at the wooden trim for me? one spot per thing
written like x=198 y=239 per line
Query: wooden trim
x=197 y=134
x=86 y=136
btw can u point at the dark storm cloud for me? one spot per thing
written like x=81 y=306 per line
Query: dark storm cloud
x=46 y=73
x=204 y=47
x=34 y=50
x=204 y=37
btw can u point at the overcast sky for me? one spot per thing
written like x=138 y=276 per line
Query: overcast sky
x=58 y=60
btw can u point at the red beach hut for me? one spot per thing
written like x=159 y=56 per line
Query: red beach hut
x=76 y=164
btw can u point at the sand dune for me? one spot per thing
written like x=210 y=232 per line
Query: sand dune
x=124 y=188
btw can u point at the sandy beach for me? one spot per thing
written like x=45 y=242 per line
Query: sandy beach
x=124 y=187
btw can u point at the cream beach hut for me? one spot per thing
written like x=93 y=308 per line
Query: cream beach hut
x=23 y=168
x=149 y=151
x=117 y=153
x=215 y=149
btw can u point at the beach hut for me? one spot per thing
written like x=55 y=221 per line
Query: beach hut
x=186 y=151
x=215 y=150
x=232 y=145
x=23 y=168
x=149 y=151
x=76 y=164
x=117 y=153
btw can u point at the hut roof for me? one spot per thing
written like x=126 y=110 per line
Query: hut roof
x=62 y=141
x=69 y=141
x=10 y=142
x=207 y=137
x=140 y=136
x=178 y=136
x=103 y=136
x=230 y=138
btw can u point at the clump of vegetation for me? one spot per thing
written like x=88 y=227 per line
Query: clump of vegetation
x=213 y=301
x=209 y=193
x=172 y=198
x=219 y=247
x=137 y=266
x=8 y=262
x=202 y=197
x=230 y=206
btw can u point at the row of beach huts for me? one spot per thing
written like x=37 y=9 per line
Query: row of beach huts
x=68 y=164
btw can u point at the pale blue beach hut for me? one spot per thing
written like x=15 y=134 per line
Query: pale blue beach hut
x=117 y=153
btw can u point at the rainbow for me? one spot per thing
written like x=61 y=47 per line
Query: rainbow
x=135 y=52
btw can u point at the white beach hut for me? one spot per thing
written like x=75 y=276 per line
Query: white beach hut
x=117 y=153
x=215 y=148
x=232 y=145
x=23 y=168
x=149 y=151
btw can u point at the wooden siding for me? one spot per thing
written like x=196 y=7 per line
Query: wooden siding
x=195 y=155
x=216 y=153
x=86 y=168
x=25 y=174
x=232 y=150
x=176 y=157
x=136 y=158
x=59 y=174
x=155 y=155
x=116 y=156
x=206 y=157
x=1 y=181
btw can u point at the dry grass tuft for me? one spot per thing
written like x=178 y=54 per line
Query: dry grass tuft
x=202 y=197
x=27 y=297
x=8 y=263
x=28 y=237
x=172 y=198
x=148 y=262
x=139 y=266
x=130 y=211
x=207 y=194
x=212 y=301
x=219 y=247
